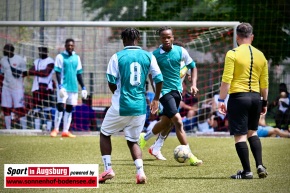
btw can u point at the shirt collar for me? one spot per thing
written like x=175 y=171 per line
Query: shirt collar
x=132 y=47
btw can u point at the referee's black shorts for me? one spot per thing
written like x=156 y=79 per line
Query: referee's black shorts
x=244 y=110
x=170 y=103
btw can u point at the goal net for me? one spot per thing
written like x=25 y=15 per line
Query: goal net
x=96 y=42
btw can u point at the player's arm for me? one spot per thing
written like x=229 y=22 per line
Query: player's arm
x=112 y=87
x=193 y=88
x=84 y=90
x=41 y=73
x=158 y=80
x=112 y=73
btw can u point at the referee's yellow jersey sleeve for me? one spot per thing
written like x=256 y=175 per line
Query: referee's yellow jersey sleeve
x=246 y=69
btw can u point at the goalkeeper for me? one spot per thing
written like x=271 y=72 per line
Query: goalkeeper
x=68 y=70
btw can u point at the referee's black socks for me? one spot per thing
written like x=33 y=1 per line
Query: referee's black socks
x=256 y=149
x=243 y=153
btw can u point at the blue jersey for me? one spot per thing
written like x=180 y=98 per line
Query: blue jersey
x=128 y=69
x=69 y=67
x=169 y=63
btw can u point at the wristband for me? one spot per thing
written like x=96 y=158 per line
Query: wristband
x=221 y=100
x=59 y=86
x=84 y=88
x=264 y=103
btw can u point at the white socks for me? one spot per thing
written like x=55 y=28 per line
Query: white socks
x=57 y=119
x=37 y=124
x=139 y=166
x=23 y=122
x=158 y=144
x=148 y=135
x=107 y=162
x=66 y=121
x=8 y=122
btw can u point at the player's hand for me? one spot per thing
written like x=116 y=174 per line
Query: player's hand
x=264 y=111
x=154 y=106
x=194 y=90
x=222 y=108
x=62 y=91
x=84 y=93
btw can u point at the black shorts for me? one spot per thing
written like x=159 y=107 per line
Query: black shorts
x=170 y=103
x=244 y=112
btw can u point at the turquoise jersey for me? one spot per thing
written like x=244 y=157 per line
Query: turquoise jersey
x=128 y=69
x=169 y=64
x=69 y=67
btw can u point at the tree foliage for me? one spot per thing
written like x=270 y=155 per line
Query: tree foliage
x=270 y=19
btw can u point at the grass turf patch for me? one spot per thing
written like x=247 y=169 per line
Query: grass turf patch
x=219 y=156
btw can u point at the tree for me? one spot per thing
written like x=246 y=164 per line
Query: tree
x=270 y=19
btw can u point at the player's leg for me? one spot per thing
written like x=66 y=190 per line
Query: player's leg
x=169 y=106
x=155 y=149
x=67 y=117
x=276 y=131
x=111 y=124
x=6 y=104
x=238 y=107
x=36 y=109
x=132 y=132
x=254 y=140
x=18 y=101
x=57 y=118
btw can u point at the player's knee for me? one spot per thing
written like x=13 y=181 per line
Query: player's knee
x=69 y=108
x=6 y=111
x=60 y=107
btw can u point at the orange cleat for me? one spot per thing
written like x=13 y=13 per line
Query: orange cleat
x=67 y=134
x=54 y=133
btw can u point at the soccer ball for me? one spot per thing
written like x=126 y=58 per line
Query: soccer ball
x=181 y=153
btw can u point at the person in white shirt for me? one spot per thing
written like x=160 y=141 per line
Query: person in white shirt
x=14 y=70
x=42 y=88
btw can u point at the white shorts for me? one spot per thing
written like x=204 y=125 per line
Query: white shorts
x=131 y=125
x=70 y=99
x=12 y=97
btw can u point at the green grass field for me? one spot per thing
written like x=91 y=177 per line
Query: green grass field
x=219 y=156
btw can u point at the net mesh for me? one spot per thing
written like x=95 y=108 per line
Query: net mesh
x=95 y=46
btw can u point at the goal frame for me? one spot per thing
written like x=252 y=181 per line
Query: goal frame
x=175 y=24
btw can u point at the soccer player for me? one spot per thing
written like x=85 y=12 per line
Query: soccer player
x=265 y=130
x=42 y=87
x=126 y=73
x=245 y=78
x=169 y=57
x=68 y=70
x=14 y=69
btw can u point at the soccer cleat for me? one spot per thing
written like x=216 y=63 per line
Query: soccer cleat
x=106 y=175
x=141 y=178
x=194 y=161
x=54 y=133
x=261 y=170
x=67 y=134
x=242 y=175
x=158 y=155
x=142 y=141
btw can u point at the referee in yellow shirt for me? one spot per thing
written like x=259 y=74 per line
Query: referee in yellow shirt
x=245 y=79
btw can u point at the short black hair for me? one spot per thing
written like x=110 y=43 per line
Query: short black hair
x=130 y=34
x=43 y=48
x=9 y=47
x=244 y=30
x=158 y=32
x=69 y=40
